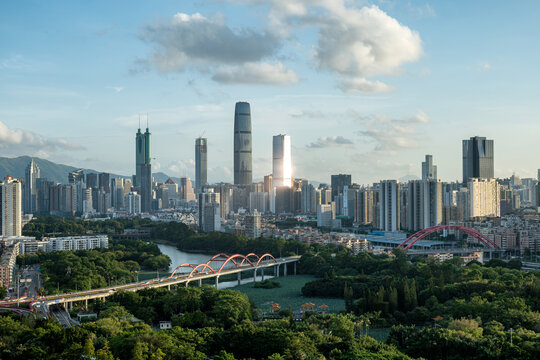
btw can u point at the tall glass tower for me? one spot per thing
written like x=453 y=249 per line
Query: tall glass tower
x=281 y=161
x=242 y=144
x=143 y=175
x=201 y=163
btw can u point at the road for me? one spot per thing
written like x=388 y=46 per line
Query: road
x=176 y=280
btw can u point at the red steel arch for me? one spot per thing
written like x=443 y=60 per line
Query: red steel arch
x=226 y=259
x=218 y=256
x=261 y=258
x=250 y=255
x=425 y=232
x=235 y=256
x=181 y=266
x=204 y=266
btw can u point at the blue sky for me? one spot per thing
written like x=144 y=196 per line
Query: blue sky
x=366 y=88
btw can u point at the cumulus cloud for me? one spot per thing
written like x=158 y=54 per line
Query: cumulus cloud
x=18 y=140
x=209 y=45
x=364 y=86
x=256 y=73
x=391 y=134
x=352 y=42
x=330 y=141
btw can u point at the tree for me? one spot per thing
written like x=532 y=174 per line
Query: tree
x=3 y=292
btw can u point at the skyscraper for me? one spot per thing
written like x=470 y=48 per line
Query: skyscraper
x=484 y=198
x=186 y=189
x=424 y=204
x=281 y=161
x=477 y=158
x=143 y=175
x=10 y=207
x=389 y=205
x=338 y=182
x=242 y=144
x=209 y=211
x=30 y=195
x=201 y=163
x=429 y=171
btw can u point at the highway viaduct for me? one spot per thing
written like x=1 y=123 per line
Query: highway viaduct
x=68 y=299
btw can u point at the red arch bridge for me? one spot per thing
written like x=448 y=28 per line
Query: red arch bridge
x=411 y=240
x=218 y=265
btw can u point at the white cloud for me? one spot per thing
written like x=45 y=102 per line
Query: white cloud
x=366 y=42
x=364 y=86
x=196 y=41
x=17 y=140
x=256 y=73
x=330 y=141
x=392 y=134
x=352 y=41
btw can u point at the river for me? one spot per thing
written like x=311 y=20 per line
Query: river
x=180 y=257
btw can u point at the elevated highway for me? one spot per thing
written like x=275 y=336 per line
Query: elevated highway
x=206 y=272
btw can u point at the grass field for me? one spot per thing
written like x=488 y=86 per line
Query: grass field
x=289 y=294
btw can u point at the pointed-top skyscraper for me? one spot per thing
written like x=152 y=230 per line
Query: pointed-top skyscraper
x=242 y=144
x=143 y=175
x=30 y=199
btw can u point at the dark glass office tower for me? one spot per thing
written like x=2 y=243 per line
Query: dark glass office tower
x=143 y=177
x=201 y=163
x=477 y=158
x=242 y=144
x=338 y=183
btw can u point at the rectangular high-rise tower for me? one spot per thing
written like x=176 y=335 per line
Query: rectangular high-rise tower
x=477 y=158
x=201 y=163
x=10 y=207
x=281 y=161
x=243 y=173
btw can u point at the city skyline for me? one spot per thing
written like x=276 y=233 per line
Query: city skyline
x=383 y=130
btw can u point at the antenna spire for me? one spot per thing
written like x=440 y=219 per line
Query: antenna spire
x=147 y=121
x=139 y=121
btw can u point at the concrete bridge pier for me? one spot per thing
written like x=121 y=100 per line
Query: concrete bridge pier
x=255 y=275
x=86 y=304
x=169 y=287
x=70 y=305
x=217 y=281
x=187 y=283
x=285 y=270
x=262 y=274
x=239 y=278
x=200 y=282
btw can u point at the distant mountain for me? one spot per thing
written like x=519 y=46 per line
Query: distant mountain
x=52 y=171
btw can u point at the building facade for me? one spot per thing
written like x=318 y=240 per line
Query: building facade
x=478 y=158
x=11 y=207
x=389 y=206
x=281 y=161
